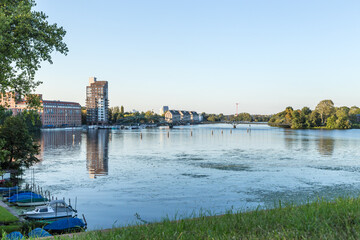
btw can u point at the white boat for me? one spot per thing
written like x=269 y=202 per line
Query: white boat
x=55 y=209
x=32 y=204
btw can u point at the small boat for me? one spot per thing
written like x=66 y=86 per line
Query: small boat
x=55 y=209
x=14 y=236
x=32 y=202
x=66 y=225
x=39 y=233
x=13 y=192
x=7 y=189
x=23 y=196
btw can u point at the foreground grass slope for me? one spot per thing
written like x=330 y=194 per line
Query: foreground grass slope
x=8 y=222
x=338 y=219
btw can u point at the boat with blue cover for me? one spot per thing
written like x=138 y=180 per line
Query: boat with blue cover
x=39 y=233
x=23 y=196
x=7 y=189
x=66 y=225
x=14 y=236
x=11 y=193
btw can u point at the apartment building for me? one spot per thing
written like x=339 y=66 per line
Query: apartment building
x=97 y=101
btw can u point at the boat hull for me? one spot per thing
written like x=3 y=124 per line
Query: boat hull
x=31 y=204
x=49 y=216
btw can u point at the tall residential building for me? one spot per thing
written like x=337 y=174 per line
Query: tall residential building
x=97 y=101
x=163 y=110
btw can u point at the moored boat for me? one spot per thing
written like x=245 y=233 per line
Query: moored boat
x=7 y=189
x=66 y=225
x=55 y=209
x=23 y=196
x=32 y=202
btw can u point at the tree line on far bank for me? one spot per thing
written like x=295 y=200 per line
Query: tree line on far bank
x=241 y=117
x=325 y=115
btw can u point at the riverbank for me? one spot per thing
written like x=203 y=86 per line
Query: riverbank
x=338 y=219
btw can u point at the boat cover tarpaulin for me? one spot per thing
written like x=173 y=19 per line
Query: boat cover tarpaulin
x=14 y=236
x=6 y=189
x=38 y=232
x=23 y=196
x=65 y=224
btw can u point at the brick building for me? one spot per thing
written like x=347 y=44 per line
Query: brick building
x=52 y=113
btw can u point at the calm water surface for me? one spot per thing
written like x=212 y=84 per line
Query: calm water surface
x=115 y=174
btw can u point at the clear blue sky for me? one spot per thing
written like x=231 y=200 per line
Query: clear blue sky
x=206 y=55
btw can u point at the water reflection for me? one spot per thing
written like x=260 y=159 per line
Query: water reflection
x=326 y=145
x=97 y=152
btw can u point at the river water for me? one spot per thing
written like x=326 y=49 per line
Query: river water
x=157 y=173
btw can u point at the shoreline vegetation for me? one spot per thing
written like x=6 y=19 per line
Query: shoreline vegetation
x=324 y=116
x=322 y=219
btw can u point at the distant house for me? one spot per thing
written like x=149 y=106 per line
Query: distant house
x=172 y=116
x=194 y=116
x=185 y=116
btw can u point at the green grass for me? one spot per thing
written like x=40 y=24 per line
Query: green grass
x=9 y=228
x=338 y=219
x=6 y=216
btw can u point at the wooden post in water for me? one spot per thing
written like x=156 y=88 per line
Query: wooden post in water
x=168 y=134
x=141 y=136
x=230 y=131
x=221 y=131
x=212 y=132
x=191 y=133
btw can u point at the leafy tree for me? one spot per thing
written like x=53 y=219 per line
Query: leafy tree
x=325 y=108
x=83 y=116
x=306 y=111
x=26 y=39
x=211 y=118
x=32 y=120
x=18 y=148
x=315 y=119
x=354 y=110
x=242 y=117
x=122 y=109
x=297 y=120
x=288 y=114
x=4 y=114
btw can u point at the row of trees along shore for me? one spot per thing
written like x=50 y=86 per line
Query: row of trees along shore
x=117 y=115
x=241 y=117
x=325 y=115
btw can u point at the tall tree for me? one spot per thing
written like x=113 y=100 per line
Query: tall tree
x=26 y=39
x=17 y=144
x=325 y=108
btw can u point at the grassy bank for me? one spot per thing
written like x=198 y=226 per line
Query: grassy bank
x=8 y=222
x=339 y=219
